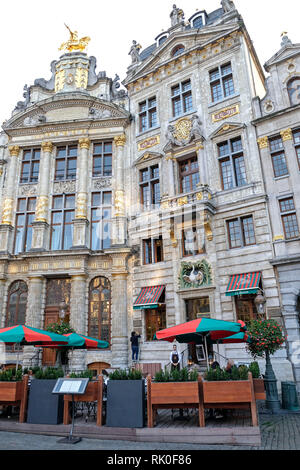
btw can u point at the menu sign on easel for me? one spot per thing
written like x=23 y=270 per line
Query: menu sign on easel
x=70 y=386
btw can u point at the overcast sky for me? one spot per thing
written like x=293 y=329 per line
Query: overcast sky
x=31 y=32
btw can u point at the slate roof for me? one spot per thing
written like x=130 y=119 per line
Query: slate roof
x=211 y=18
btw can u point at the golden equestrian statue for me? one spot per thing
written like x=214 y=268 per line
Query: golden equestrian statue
x=75 y=44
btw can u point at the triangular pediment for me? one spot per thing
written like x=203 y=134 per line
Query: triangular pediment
x=286 y=52
x=65 y=108
x=227 y=128
x=190 y=39
x=148 y=156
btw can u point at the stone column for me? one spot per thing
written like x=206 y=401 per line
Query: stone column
x=41 y=223
x=119 y=329
x=2 y=300
x=6 y=226
x=201 y=154
x=34 y=317
x=171 y=178
x=81 y=222
x=78 y=318
x=119 y=220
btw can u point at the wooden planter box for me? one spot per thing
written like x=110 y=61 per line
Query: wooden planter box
x=171 y=395
x=94 y=392
x=259 y=389
x=229 y=394
x=15 y=394
x=125 y=403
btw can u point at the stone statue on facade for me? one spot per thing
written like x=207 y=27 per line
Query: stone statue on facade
x=227 y=5
x=176 y=16
x=196 y=129
x=135 y=52
x=171 y=138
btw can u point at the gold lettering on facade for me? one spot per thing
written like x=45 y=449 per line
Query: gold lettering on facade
x=150 y=142
x=225 y=113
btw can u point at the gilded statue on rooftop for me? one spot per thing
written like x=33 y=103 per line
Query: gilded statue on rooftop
x=75 y=44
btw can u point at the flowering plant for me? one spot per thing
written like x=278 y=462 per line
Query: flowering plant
x=267 y=336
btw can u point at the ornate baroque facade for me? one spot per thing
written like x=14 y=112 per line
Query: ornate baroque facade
x=144 y=208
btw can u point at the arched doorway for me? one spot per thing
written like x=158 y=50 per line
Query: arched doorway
x=100 y=308
x=98 y=367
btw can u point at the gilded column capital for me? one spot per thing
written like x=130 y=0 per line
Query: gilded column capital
x=120 y=140
x=14 y=150
x=84 y=143
x=286 y=134
x=263 y=142
x=47 y=147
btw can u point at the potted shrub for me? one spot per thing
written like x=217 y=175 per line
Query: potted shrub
x=14 y=390
x=176 y=389
x=222 y=389
x=125 y=399
x=266 y=338
x=44 y=407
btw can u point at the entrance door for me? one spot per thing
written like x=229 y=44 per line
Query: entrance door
x=49 y=355
x=155 y=320
x=198 y=308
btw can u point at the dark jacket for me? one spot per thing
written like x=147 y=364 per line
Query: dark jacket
x=135 y=340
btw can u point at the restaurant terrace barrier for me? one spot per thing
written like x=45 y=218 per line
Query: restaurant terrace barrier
x=233 y=394
x=94 y=392
x=15 y=394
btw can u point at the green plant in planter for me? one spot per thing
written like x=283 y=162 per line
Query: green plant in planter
x=124 y=374
x=254 y=369
x=267 y=337
x=11 y=375
x=50 y=373
x=62 y=328
x=182 y=375
x=86 y=374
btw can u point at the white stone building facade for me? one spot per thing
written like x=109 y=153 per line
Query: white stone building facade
x=146 y=208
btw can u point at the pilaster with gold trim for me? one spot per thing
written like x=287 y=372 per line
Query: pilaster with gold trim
x=81 y=220
x=119 y=221
x=8 y=203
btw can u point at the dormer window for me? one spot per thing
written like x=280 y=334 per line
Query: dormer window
x=161 y=38
x=198 y=22
x=177 y=50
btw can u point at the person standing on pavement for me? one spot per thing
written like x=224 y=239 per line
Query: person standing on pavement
x=134 y=339
x=175 y=358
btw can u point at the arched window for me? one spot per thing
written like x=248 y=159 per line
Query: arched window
x=16 y=304
x=177 y=50
x=293 y=88
x=100 y=308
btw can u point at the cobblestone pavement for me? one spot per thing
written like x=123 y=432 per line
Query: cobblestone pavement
x=279 y=432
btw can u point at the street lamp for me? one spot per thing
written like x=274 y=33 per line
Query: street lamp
x=272 y=399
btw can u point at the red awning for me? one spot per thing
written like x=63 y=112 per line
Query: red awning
x=148 y=297
x=247 y=283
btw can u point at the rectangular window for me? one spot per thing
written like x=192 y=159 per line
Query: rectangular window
x=190 y=243
x=30 y=166
x=147 y=114
x=278 y=157
x=150 y=187
x=66 y=163
x=62 y=216
x=221 y=82
x=232 y=164
x=289 y=218
x=24 y=218
x=245 y=308
x=155 y=319
x=182 y=101
x=153 y=250
x=241 y=232
x=101 y=221
x=102 y=159
x=297 y=144
x=189 y=175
